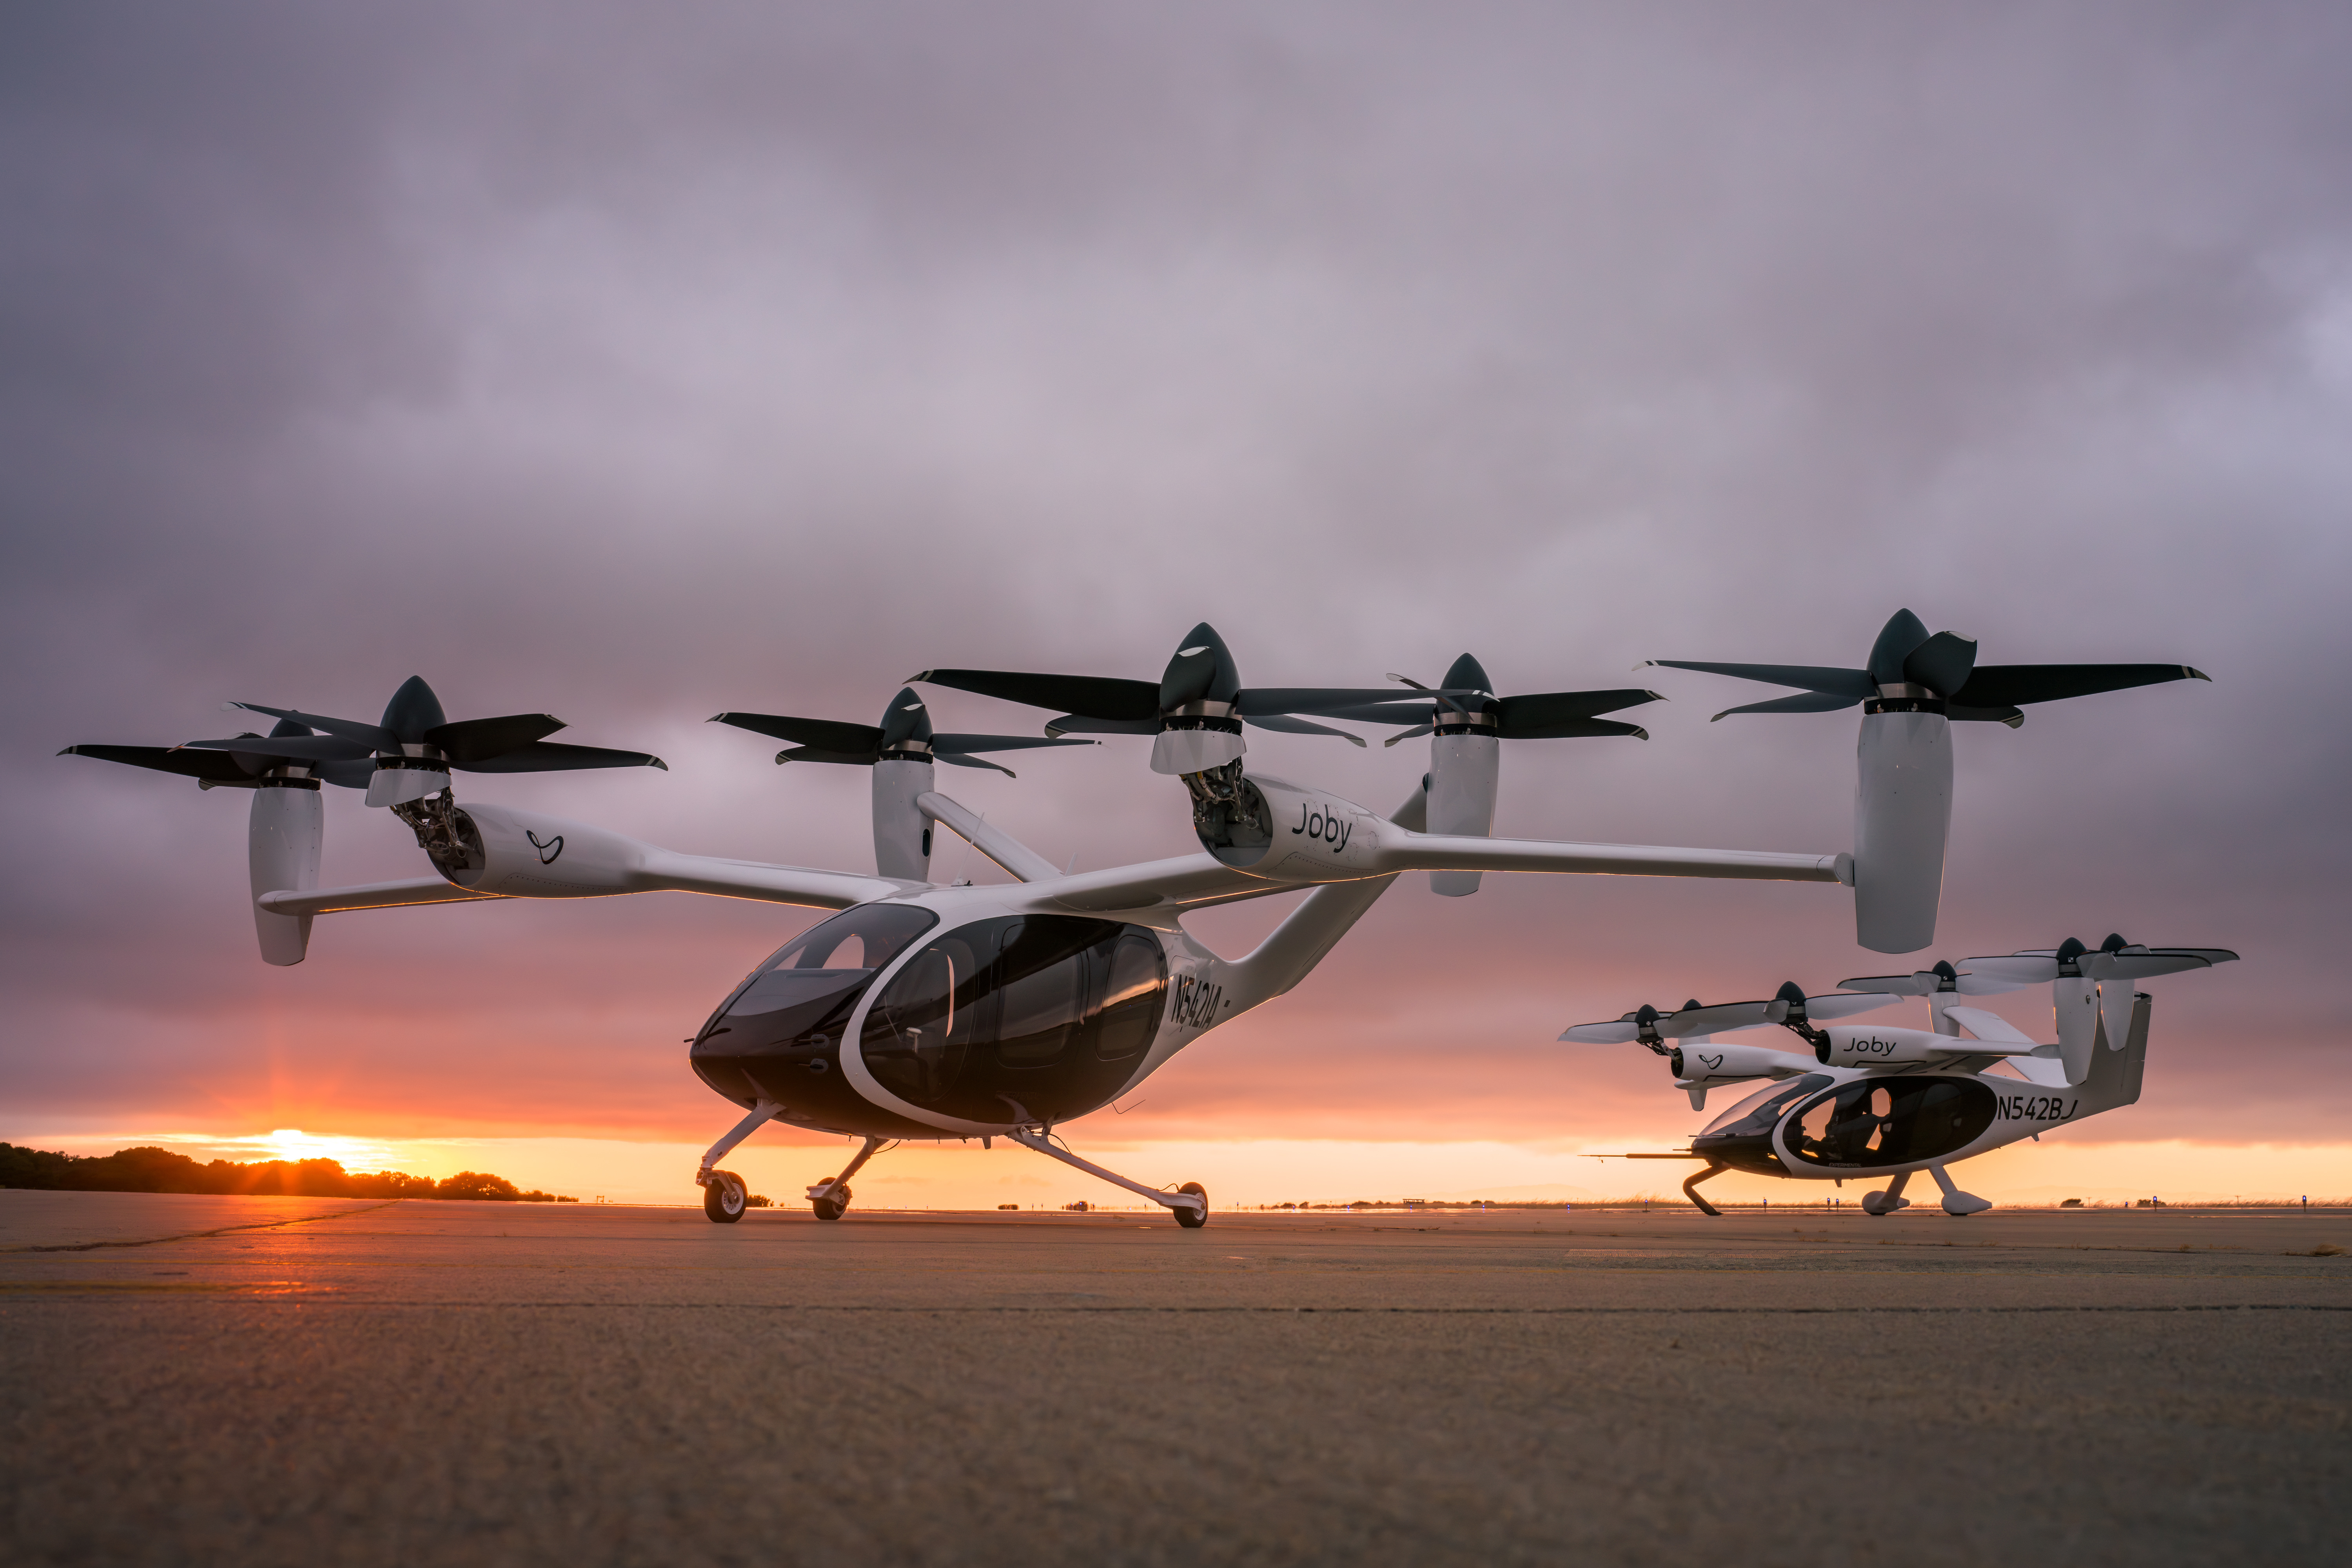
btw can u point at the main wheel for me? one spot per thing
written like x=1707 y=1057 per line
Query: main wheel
x=723 y=1198
x=832 y=1205
x=1191 y=1218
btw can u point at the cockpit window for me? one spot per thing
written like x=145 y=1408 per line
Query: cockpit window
x=866 y=937
x=969 y=1023
x=1761 y=1111
x=811 y=974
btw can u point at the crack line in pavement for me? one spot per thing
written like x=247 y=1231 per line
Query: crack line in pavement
x=199 y=1234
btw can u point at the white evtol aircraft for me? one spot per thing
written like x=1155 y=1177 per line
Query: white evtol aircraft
x=1866 y=1102
x=929 y=1012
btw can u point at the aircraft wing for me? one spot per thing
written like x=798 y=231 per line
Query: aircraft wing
x=663 y=871
x=371 y=896
x=1187 y=881
x=1435 y=852
x=658 y=871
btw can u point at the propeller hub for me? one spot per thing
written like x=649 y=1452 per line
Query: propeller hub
x=1202 y=715
x=1456 y=722
x=1905 y=699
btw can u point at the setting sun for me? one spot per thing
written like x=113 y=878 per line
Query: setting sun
x=293 y=1144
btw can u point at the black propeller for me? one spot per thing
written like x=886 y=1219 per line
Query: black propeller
x=1542 y=716
x=414 y=728
x=243 y=761
x=905 y=733
x=1790 y=1006
x=1202 y=689
x=1910 y=669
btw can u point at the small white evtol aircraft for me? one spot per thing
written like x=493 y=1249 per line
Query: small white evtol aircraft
x=938 y=1012
x=1871 y=1103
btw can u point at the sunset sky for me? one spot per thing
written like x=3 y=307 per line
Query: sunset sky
x=636 y=365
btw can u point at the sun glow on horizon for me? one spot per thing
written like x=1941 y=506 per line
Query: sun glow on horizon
x=291 y=1144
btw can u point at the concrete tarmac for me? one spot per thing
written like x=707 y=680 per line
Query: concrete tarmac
x=283 y=1380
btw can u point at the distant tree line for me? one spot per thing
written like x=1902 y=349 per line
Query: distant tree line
x=150 y=1170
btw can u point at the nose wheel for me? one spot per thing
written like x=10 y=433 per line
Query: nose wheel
x=1192 y=1216
x=724 y=1198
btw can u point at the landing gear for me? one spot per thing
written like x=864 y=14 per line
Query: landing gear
x=724 y=1198
x=1690 y=1191
x=1189 y=1203
x=829 y=1199
x=1958 y=1203
x=723 y=1192
x=1888 y=1202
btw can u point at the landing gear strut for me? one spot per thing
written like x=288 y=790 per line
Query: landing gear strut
x=1958 y=1203
x=829 y=1197
x=1189 y=1203
x=1690 y=1191
x=724 y=1196
x=1888 y=1202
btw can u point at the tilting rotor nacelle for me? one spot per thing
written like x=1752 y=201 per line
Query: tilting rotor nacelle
x=1912 y=688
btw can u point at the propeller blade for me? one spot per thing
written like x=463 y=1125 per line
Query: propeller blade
x=1616 y=1032
x=1383 y=713
x=1526 y=715
x=375 y=737
x=2013 y=685
x=1996 y=985
x=1085 y=696
x=965 y=744
x=2152 y=962
x=1851 y=683
x=958 y=760
x=213 y=767
x=1942 y=663
x=1409 y=734
x=479 y=740
x=1722 y=1019
x=824 y=734
x=1836 y=1007
x=1299 y=727
x=2011 y=973
x=819 y=754
x=1573 y=728
x=1925 y=983
x=1959 y=715
x=294 y=748
x=1257 y=702
x=558 y=757
x=1079 y=724
x=1811 y=702
x=346 y=776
